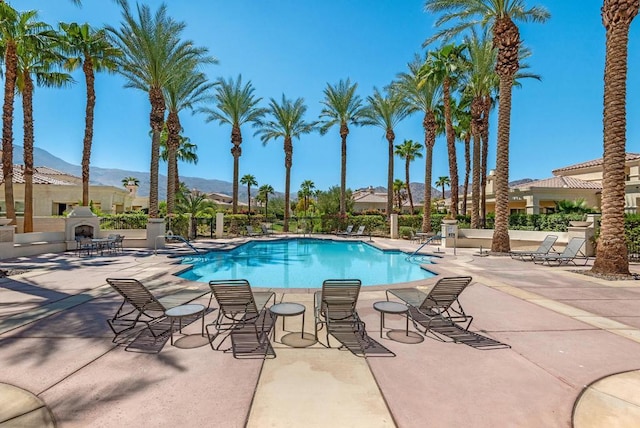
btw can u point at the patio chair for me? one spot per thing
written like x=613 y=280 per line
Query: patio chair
x=265 y=230
x=243 y=316
x=141 y=306
x=545 y=247
x=252 y=232
x=347 y=231
x=571 y=252
x=358 y=232
x=85 y=245
x=439 y=307
x=335 y=307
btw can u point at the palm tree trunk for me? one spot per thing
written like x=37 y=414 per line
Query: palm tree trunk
x=249 y=198
x=344 y=131
x=27 y=111
x=451 y=148
x=429 y=126
x=156 y=119
x=467 y=171
x=390 y=138
x=507 y=39
x=236 y=152
x=406 y=173
x=173 y=141
x=87 y=68
x=476 y=119
x=484 y=136
x=11 y=63
x=288 y=160
x=611 y=255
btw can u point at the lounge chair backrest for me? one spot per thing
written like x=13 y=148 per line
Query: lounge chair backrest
x=444 y=293
x=234 y=296
x=360 y=230
x=339 y=297
x=264 y=229
x=349 y=229
x=136 y=294
x=573 y=247
x=250 y=229
x=547 y=244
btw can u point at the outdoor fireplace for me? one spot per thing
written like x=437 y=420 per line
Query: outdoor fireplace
x=81 y=222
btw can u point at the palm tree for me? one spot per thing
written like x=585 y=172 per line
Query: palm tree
x=127 y=181
x=409 y=151
x=443 y=181
x=499 y=16
x=445 y=66
x=14 y=28
x=462 y=130
x=91 y=50
x=38 y=56
x=341 y=107
x=422 y=95
x=398 y=187
x=263 y=193
x=236 y=105
x=306 y=191
x=153 y=55
x=187 y=89
x=249 y=180
x=611 y=254
x=286 y=122
x=386 y=112
x=479 y=86
x=186 y=152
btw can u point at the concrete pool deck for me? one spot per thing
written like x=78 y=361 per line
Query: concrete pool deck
x=573 y=361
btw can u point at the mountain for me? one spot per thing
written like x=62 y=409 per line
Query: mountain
x=114 y=176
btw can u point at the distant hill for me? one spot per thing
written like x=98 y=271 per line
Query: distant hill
x=114 y=176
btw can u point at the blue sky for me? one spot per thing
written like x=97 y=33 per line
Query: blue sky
x=297 y=47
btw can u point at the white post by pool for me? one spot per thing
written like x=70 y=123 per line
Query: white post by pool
x=393 y=222
x=219 y=225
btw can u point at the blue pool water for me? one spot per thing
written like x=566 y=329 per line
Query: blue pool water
x=305 y=263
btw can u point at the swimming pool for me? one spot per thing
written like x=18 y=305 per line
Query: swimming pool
x=305 y=263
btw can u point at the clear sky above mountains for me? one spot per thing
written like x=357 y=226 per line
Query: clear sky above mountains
x=296 y=48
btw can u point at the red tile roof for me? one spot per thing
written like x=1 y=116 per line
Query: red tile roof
x=592 y=163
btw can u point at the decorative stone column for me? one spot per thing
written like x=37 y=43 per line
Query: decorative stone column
x=393 y=223
x=584 y=231
x=6 y=239
x=219 y=225
x=155 y=230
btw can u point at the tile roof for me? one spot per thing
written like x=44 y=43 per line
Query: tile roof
x=560 y=183
x=38 y=176
x=592 y=163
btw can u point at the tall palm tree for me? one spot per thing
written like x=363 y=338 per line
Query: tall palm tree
x=249 y=180
x=399 y=196
x=499 y=16
x=422 y=95
x=306 y=191
x=287 y=122
x=186 y=90
x=38 y=57
x=15 y=27
x=153 y=54
x=611 y=255
x=186 y=152
x=445 y=66
x=462 y=129
x=386 y=111
x=443 y=181
x=91 y=50
x=341 y=107
x=409 y=151
x=235 y=105
x=478 y=85
x=263 y=193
